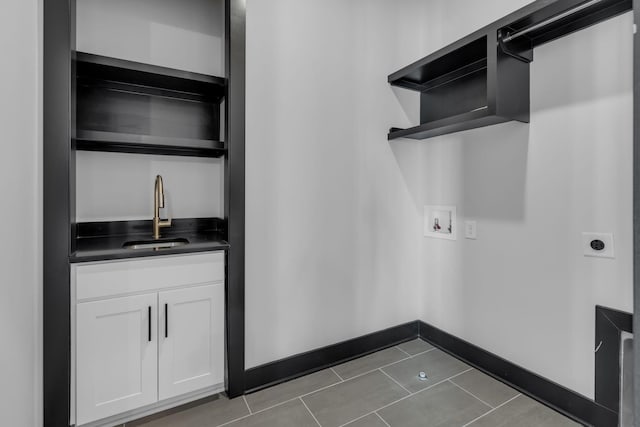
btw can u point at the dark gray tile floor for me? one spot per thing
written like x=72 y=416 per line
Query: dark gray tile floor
x=378 y=390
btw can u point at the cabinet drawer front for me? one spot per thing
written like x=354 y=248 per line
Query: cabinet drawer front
x=115 y=278
x=116 y=356
x=191 y=339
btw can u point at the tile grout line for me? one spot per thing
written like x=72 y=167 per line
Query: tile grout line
x=317 y=390
x=343 y=381
x=334 y=384
x=281 y=403
x=234 y=420
x=494 y=409
x=460 y=373
x=471 y=394
x=309 y=410
x=394 y=380
x=387 y=365
x=383 y=420
x=422 y=352
x=329 y=386
x=406 y=397
x=337 y=374
x=395 y=401
x=407 y=353
x=247 y=403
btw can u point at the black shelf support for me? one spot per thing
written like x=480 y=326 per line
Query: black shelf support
x=526 y=56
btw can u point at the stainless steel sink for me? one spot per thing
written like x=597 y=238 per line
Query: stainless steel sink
x=155 y=244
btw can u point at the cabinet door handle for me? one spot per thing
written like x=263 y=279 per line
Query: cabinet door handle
x=166 y=321
x=149 y=317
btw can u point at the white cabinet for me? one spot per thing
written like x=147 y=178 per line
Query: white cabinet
x=116 y=356
x=147 y=332
x=191 y=352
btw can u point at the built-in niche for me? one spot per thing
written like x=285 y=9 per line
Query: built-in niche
x=184 y=35
x=119 y=186
x=148 y=100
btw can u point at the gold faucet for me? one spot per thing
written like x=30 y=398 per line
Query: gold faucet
x=158 y=202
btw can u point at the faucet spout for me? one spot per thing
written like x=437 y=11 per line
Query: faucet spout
x=158 y=202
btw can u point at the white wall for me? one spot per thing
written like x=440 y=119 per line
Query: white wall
x=524 y=290
x=119 y=186
x=331 y=206
x=334 y=210
x=20 y=214
x=187 y=35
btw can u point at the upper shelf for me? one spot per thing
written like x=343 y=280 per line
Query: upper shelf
x=454 y=61
x=147 y=75
x=483 y=78
x=131 y=107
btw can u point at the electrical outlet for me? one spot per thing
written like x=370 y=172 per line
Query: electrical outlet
x=470 y=230
x=598 y=245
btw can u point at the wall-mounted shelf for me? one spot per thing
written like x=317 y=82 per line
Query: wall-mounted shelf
x=130 y=107
x=88 y=140
x=483 y=79
x=466 y=85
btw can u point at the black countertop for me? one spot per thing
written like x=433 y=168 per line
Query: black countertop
x=100 y=241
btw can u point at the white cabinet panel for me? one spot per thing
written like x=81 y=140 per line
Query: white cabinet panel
x=191 y=346
x=116 y=356
x=114 y=278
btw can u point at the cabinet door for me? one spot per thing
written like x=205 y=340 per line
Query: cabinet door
x=117 y=356
x=191 y=354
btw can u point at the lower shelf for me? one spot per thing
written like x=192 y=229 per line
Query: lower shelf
x=89 y=140
x=471 y=120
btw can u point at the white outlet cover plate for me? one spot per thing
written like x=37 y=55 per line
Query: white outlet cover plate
x=607 y=239
x=440 y=222
x=470 y=230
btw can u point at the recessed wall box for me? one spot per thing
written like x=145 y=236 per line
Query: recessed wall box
x=440 y=222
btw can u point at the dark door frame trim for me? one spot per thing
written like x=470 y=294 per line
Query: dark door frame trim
x=234 y=204
x=636 y=207
x=58 y=173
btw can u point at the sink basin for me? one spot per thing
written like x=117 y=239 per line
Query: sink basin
x=155 y=244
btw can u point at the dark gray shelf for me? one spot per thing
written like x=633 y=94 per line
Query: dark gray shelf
x=483 y=78
x=130 y=107
x=460 y=122
x=448 y=64
x=88 y=140
x=466 y=85
x=120 y=70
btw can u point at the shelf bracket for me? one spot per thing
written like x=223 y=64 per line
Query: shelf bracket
x=526 y=56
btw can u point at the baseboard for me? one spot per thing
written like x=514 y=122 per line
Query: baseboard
x=160 y=409
x=305 y=363
x=563 y=400
x=560 y=398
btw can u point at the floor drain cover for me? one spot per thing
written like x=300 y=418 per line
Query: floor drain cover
x=422 y=376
